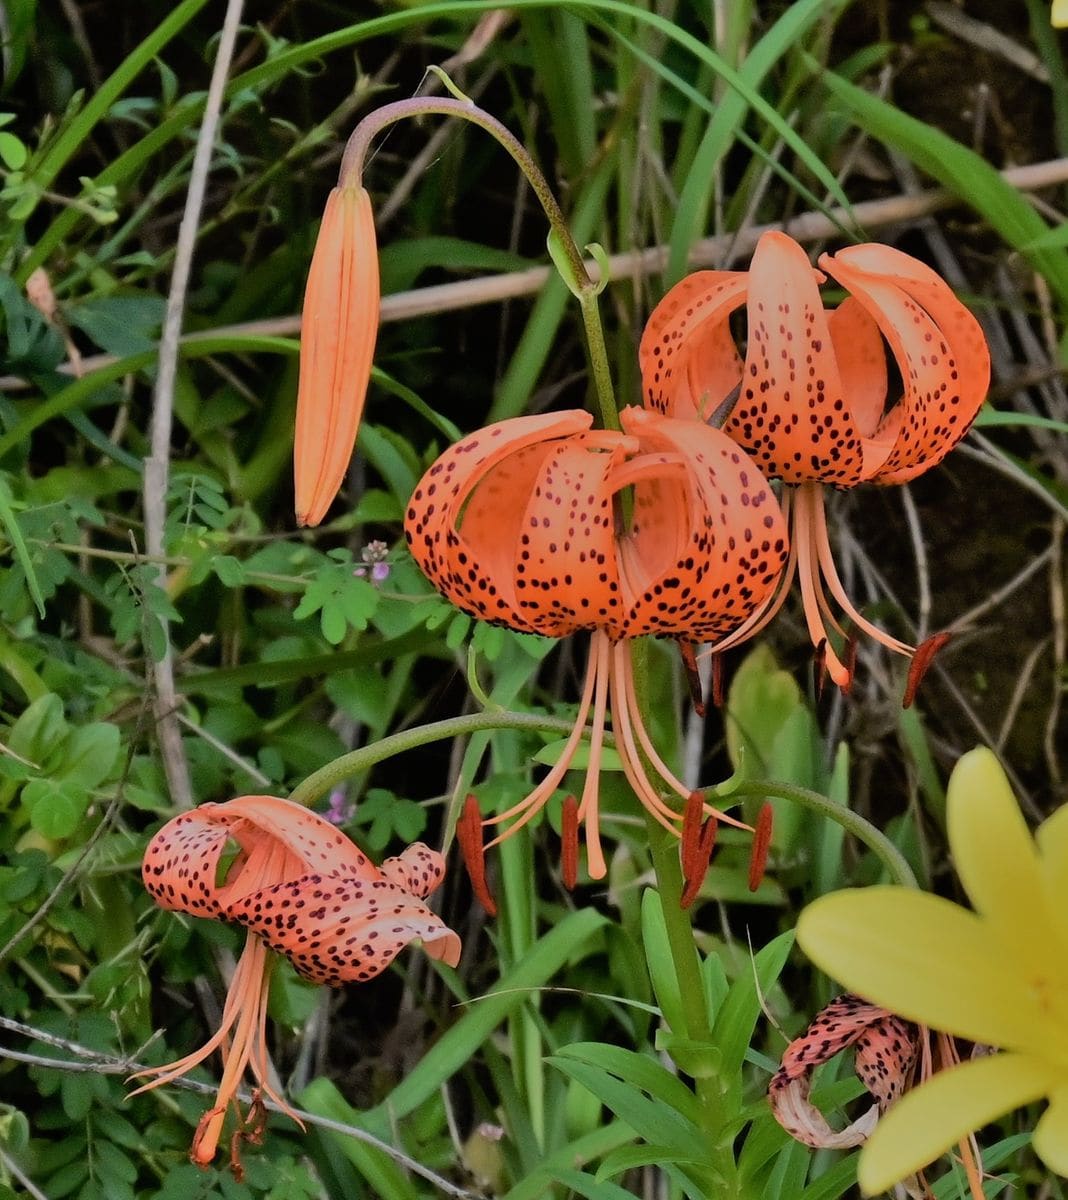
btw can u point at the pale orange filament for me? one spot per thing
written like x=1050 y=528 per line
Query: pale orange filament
x=609 y=684
x=632 y=712
x=765 y=612
x=808 y=572
x=531 y=805
x=588 y=812
x=826 y=561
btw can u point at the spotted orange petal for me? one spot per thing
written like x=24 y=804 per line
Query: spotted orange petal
x=319 y=845
x=180 y=864
x=792 y=414
x=886 y=1049
x=708 y=540
x=277 y=839
x=940 y=350
x=417 y=869
x=336 y=930
x=688 y=359
x=469 y=515
x=339 y=326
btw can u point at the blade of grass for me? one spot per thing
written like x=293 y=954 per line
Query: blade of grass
x=962 y=171
x=692 y=213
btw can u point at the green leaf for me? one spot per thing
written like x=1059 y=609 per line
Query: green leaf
x=734 y=1025
x=967 y=174
x=56 y=809
x=650 y=1119
x=660 y=962
x=565 y=941
x=12 y=151
x=89 y=755
x=640 y=1071
x=40 y=728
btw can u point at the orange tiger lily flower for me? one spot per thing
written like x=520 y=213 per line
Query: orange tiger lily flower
x=522 y=524
x=339 y=326
x=809 y=402
x=303 y=890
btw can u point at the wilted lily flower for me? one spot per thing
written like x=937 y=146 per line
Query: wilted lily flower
x=890 y=1057
x=997 y=975
x=303 y=890
x=339 y=326
x=885 y=1049
x=810 y=400
x=546 y=526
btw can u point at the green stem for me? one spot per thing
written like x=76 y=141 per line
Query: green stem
x=576 y=275
x=710 y=1090
x=357 y=761
x=864 y=831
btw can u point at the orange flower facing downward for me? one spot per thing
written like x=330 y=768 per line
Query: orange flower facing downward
x=810 y=400
x=303 y=890
x=547 y=526
x=339 y=326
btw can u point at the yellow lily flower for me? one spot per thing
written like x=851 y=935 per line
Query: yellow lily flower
x=997 y=976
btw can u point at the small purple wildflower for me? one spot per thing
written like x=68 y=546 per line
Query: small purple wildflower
x=374 y=562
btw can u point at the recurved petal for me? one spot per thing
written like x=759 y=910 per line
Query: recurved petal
x=708 y=541
x=564 y=559
x=337 y=930
x=926 y=959
x=320 y=846
x=1051 y=1132
x=688 y=359
x=339 y=326
x=417 y=869
x=181 y=861
x=995 y=857
x=939 y=346
x=472 y=561
x=935 y=1116
x=792 y=415
x=861 y=356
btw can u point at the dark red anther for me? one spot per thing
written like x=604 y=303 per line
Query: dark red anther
x=849 y=661
x=819 y=667
x=718 y=692
x=469 y=835
x=691 y=832
x=698 y=842
x=693 y=678
x=237 y=1169
x=758 y=856
x=921 y=661
x=569 y=843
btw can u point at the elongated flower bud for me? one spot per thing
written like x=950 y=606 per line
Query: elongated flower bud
x=337 y=342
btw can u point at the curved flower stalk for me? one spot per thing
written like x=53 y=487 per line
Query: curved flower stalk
x=339 y=327
x=341 y=305
x=522 y=524
x=997 y=975
x=302 y=889
x=810 y=399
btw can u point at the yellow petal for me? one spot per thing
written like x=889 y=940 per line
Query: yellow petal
x=1059 y=14
x=995 y=856
x=1052 y=839
x=925 y=958
x=1051 y=1133
x=933 y=1118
